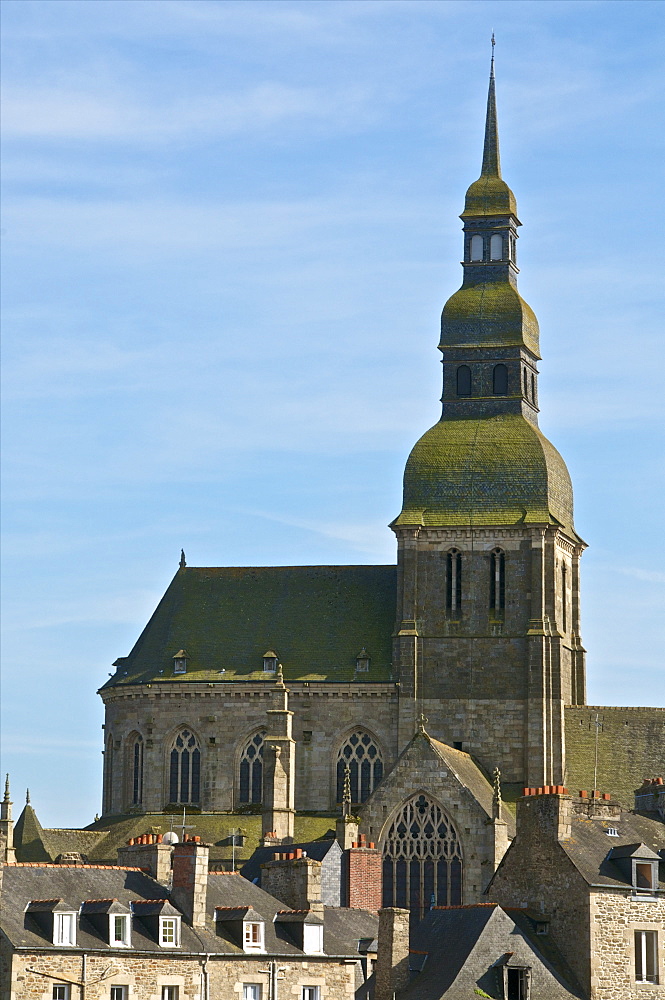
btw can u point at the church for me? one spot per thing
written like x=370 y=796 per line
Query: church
x=409 y=703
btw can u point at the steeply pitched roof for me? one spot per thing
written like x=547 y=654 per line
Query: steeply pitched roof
x=464 y=948
x=315 y=849
x=317 y=618
x=595 y=854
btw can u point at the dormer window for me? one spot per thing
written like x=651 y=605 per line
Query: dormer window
x=312 y=939
x=64 y=928
x=180 y=662
x=253 y=936
x=169 y=932
x=270 y=662
x=362 y=661
x=477 y=248
x=119 y=935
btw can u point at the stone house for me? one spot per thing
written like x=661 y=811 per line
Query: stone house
x=164 y=928
x=596 y=875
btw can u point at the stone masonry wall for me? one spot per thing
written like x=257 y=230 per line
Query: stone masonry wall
x=144 y=976
x=614 y=919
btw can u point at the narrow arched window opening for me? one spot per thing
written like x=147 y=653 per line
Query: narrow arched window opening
x=454 y=582
x=477 y=248
x=500 y=380
x=496 y=247
x=533 y=389
x=564 y=597
x=108 y=776
x=463 y=380
x=422 y=859
x=250 y=785
x=185 y=769
x=497 y=580
x=526 y=383
x=137 y=771
x=365 y=763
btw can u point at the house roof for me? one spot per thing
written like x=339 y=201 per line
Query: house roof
x=50 y=884
x=462 y=949
x=316 y=618
x=595 y=854
x=317 y=850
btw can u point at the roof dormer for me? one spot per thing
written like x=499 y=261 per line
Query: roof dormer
x=244 y=926
x=56 y=919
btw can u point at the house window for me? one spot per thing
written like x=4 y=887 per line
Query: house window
x=137 y=771
x=422 y=859
x=185 y=768
x=497 y=580
x=170 y=992
x=60 y=992
x=64 y=929
x=476 y=248
x=500 y=380
x=646 y=956
x=363 y=758
x=119 y=929
x=169 y=932
x=253 y=936
x=496 y=247
x=516 y=983
x=645 y=875
x=311 y=993
x=251 y=991
x=118 y=993
x=454 y=581
x=463 y=380
x=251 y=771
x=312 y=939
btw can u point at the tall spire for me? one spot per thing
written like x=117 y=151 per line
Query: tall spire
x=491 y=158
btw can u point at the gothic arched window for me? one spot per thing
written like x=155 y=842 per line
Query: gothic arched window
x=496 y=247
x=185 y=768
x=422 y=859
x=137 y=769
x=454 y=581
x=500 y=380
x=476 y=248
x=363 y=758
x=250 y=785
x=463 y=380
x=497 y=580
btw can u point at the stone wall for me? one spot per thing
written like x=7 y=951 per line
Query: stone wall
x=615 y=917
x=145 y=976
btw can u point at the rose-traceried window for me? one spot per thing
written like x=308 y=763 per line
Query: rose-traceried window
x=250 y=784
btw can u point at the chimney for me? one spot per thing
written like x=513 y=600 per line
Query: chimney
x=294 y=879
x=190 y=881
x=154 y=856
x=392 y=961
x=544 y=812
x=362 y=877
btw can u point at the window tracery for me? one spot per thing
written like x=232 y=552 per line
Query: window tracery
x=250 y=785
x=185 y=768
x=363 y=758
x=422 y=859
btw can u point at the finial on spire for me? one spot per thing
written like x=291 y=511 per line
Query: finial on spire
x=422 y=722
x=346 y=794
x=491 y=160
x=496 y=796
x=27 y=796
x=183 y=562
x=7 y=788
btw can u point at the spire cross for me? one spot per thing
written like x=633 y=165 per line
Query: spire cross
x=422 y=722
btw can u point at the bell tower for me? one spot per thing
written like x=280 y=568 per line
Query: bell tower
x=487 y=641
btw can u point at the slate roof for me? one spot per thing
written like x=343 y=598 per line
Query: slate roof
x=316 y=618
x=465 y=947
x=316 y=850
x=589 y=847
x=76 y=884
x=467 y=772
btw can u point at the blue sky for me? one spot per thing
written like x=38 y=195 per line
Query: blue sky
x=229 y=229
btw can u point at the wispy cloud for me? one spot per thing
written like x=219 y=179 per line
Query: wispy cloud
x=649 y=576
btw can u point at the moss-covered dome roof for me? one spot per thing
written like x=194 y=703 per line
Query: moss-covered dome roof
x=489 y=314
x=492 y=471
x=489 y=195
